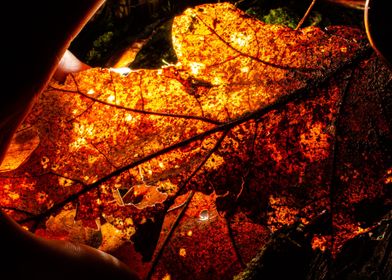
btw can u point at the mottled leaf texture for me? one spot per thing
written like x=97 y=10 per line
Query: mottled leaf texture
x=256 y=128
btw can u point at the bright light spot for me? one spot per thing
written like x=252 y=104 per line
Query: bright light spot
x=166 y=277
x=343 y=49
x=182 y=252
x=167 y=64
x=82 y=129
x=74 y=111
x=189 y=233
x=204 y=215
x=41 y=197
x=64 y=182
x=44 y=162
x=128 y=118
x=90 y=91
x=319 y=242
x=111 y=98
x=214 y=162
x=92 y=159
x=79 y=142
x=216 y=81
x=245 y=69
x=361 y=230
x=315 y=143
x=240 y=39
x=388 y=177
x=90 y=130
x=161 y=165
x=13 y=195
x=196 y=67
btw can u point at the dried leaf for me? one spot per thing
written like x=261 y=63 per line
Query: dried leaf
x=267 y=125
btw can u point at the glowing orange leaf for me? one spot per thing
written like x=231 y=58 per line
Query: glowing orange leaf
x=261 y=125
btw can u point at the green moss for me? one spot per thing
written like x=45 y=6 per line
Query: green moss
x=100 y=47
x=289 y=13
x=315 y=19
x=158 y=51
x=281 y=16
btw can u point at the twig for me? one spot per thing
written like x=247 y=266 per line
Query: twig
x=235 y=247
x=169 y=235
x=306 y=15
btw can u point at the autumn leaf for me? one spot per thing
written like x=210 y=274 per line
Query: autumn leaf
x=257 y=127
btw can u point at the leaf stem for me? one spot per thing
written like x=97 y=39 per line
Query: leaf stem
x=306 y=15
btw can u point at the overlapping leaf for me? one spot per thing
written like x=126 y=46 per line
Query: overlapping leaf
x=269 y=124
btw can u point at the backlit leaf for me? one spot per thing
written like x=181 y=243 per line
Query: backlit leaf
x=259 y=125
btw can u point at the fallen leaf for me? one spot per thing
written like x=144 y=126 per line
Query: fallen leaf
x=270 y=125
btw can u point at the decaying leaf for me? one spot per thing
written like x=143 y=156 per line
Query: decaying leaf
x=63 y=226
x=23 y=143
x=268 y=125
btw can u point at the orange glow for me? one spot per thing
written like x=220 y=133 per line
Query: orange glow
x=182 y=252
x=320 y=242
x=246 y=135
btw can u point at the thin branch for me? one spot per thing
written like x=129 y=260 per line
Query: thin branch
x=234 y=244
x=176 y=207
x=306 y=15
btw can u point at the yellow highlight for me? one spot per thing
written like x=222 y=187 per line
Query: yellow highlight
x=245 y=69
x=182 y=252
x=240 y=40
x=196 y=67
x=111 y=98
x=90 y=91
x=13 y=195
